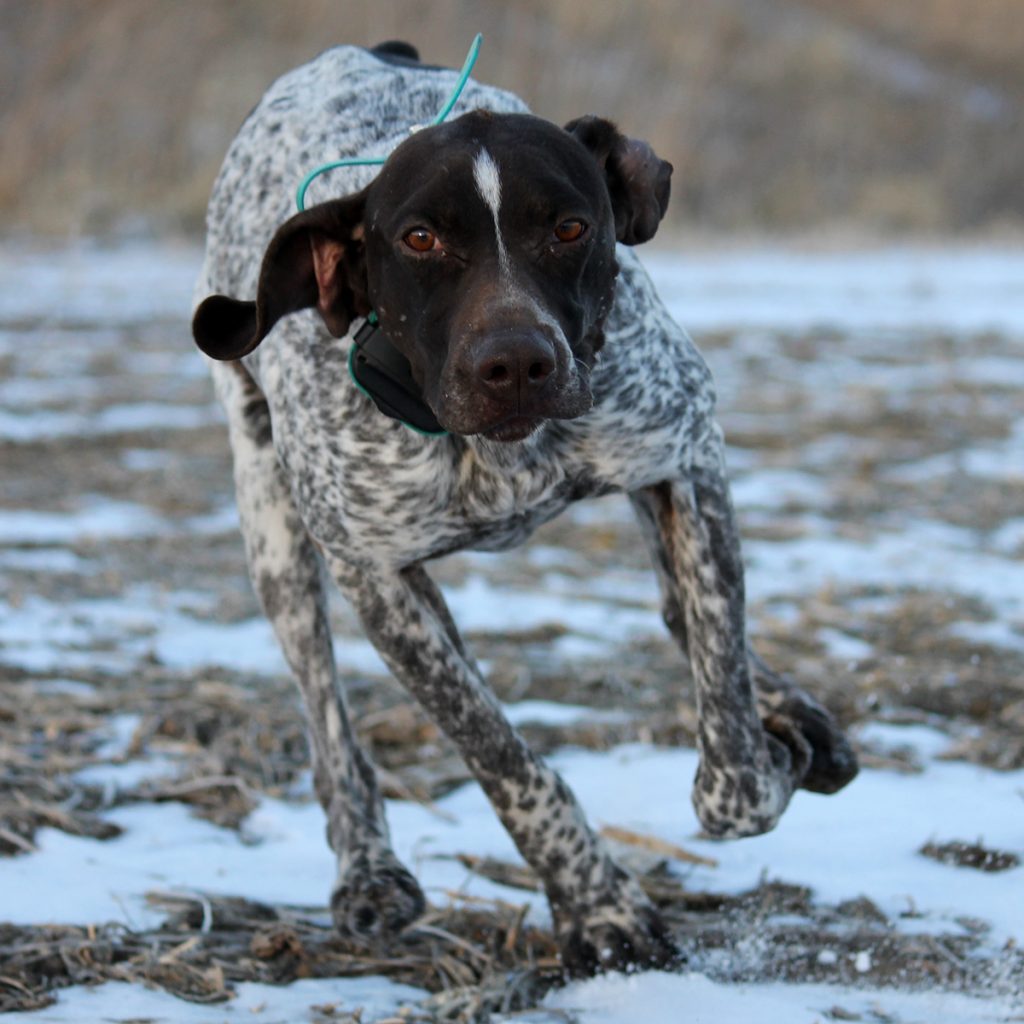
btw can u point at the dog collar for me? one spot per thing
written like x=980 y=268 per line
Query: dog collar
x=383 y=374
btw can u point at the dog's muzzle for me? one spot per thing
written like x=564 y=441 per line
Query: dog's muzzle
x=510 y=381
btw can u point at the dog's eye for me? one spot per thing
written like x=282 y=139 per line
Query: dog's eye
x=570 y=230
x=420 y=240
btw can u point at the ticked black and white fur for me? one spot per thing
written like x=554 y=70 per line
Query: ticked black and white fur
x=491 y=249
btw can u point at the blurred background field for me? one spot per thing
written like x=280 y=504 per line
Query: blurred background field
x=859 y=116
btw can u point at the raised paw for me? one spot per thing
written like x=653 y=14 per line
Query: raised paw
x=823 y=760
x=637 y=941
x=806 y=728
x=376 y=902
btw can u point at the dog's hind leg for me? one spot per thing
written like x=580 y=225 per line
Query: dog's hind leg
x=375 y=896
x=602 y=918
x=760 y=736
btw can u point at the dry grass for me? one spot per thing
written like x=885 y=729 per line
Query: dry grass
x=776 y=113
x=985 y=36
x=482 y=956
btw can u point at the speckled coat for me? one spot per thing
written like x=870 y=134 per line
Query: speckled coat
x=327 y=484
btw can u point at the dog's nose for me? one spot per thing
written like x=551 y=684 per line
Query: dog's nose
x=518 y=366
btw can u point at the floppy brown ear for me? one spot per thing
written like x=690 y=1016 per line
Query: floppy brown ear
x=639 y=181
x=316 y=259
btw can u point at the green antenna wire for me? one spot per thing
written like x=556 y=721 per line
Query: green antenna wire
x=372 y=161
x=300 y=195
x=467 y=68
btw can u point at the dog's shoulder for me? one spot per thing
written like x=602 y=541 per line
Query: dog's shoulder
x=649 y=367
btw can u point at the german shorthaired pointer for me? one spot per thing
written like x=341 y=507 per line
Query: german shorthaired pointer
x=486 y=246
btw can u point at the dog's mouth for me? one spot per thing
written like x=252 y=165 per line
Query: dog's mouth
x=515 y=424
x=515 y=428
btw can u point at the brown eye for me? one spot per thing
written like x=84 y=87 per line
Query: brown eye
x=420 y=240
x=570 y=230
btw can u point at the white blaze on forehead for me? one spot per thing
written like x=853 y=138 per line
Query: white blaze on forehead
x=488 y=184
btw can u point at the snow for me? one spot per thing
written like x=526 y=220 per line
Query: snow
x=95 y=517
x=113 y=419
x=919 y=553
x=862 y=842
x=97 y=284
x=259 y=1004
x=544 y=712
x=874 y=830
x=695 y=999
x=955 y=290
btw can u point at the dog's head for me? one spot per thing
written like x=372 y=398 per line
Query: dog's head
x=486 y=246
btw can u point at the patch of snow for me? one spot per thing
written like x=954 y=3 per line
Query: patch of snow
x=991 y=634
x=1009 y=538
x=921 y=554
x=546 y=712
x=90 y=283
x=999 y=460
x=477 y=605
x=95 y=517
x=843 y=647
x=573 y=647
x=143 y=460
x=250 y=646
x=926 y=742
x=875 y=828
x=113 y=419
x=919 y=290
x=119 y=731
x=696 y=999
x=777 y=488
x=253 y=1002
x=114 y=634
x=70 y=687
x=113 y=777
x=42 y=560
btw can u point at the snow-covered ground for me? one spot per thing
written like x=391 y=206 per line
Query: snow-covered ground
x=892 y=381
x=862 y=842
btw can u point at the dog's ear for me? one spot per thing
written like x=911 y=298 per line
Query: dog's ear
x=638 y=180
x=316 y=259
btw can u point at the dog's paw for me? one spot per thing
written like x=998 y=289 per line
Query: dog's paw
x=822 y=759
x=376 y=904
x=637 y=940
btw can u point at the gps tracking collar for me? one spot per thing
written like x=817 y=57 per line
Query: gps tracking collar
x=382 y=373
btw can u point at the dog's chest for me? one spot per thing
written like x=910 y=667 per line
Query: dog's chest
x=369 y=486
x=410 y=506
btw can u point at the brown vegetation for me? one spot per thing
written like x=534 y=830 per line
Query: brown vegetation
x=776 y=113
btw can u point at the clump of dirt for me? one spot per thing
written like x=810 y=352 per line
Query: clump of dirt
x=970 y=855
x=29 y=801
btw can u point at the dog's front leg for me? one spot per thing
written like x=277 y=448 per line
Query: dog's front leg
x=602 y=919
x=374 y=896
x=760 y=736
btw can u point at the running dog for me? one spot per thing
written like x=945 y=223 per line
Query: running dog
x=445 y=355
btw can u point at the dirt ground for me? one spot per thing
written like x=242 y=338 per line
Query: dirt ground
x=115 y=518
